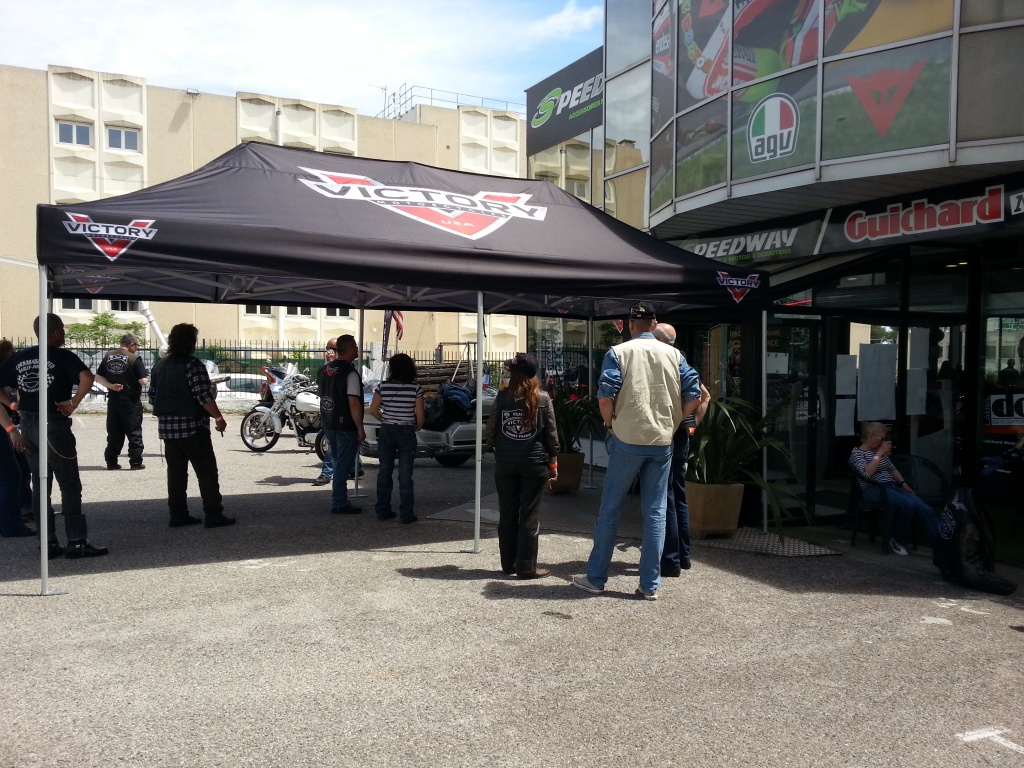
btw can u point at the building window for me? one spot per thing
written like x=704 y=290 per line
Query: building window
x=76 y=304
x=74 y=133
x=336 y=312
x=124 y=306
x=258 y=309
x=123 y=138
x=305 y=311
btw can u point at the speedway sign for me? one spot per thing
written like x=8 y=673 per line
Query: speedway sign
x=566 y=104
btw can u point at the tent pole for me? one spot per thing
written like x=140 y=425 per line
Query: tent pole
x=43 y=443
x=590 y=392
x=479 y=416
x=355 y=464
x=764 y=409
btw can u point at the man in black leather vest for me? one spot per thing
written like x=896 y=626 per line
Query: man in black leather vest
x=124 y=375
x=183 y=401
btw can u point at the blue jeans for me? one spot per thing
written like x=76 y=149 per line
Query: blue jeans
x=395 y=442
x=344 y=448
x=327 y=468
x=677 y=517
x=906 y=506
x=625 y=462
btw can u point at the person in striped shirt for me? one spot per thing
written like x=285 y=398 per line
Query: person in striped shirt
x=398 y=404
x=871 y=460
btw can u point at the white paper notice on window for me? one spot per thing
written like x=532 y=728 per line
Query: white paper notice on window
x=844 y=417
x=918 y=352
x=876 y=384
x=917 y=392
x=846 y=374
x=777 y=362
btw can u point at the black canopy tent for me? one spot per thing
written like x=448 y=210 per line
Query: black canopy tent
x=274 y=225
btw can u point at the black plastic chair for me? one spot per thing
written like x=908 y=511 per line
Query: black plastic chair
x=858 y=508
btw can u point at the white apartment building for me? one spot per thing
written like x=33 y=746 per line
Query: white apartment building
x=73 y=135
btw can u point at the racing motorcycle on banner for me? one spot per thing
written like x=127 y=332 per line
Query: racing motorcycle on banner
x=287 y=398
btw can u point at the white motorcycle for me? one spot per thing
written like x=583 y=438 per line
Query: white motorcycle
x=289 y=399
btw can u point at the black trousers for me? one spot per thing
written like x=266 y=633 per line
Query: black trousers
x=124 y=420
x=196 y=450
x=63 y=464
x=520 y=488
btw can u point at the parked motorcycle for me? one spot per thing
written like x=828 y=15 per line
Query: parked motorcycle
x=287 y=398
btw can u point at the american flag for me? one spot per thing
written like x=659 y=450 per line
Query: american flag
x=399 y=324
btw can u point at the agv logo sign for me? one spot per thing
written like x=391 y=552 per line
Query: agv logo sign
x=772 y=128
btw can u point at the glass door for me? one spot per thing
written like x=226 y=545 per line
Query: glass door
x=792 y=382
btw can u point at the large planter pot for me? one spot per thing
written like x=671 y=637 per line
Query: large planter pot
x=714 y=509
x=570 y=473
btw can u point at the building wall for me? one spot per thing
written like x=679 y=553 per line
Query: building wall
x=181 y=130
x=24 y=137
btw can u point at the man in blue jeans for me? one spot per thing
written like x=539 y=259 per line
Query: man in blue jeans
x=645 y=390
x=675 y=558
x=341 y=413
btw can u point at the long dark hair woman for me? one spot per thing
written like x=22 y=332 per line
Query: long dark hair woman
x=398 y=404
x=521 y=429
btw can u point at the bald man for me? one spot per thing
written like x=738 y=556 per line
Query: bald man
x=675 y=557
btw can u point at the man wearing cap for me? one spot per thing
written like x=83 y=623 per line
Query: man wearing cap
x=124 y=375
x=341 y=413
x=645 y=390
x=675 y=558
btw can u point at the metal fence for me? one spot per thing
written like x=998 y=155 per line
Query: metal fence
x=564 y=364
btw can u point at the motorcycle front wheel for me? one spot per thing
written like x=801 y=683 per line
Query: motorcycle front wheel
x=258 y=431
x=321 y=445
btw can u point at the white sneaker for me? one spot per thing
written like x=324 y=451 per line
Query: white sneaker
x=896 y=547
x=646 y=595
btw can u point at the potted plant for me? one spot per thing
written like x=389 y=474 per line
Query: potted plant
x=572 y=413
x=727 y=443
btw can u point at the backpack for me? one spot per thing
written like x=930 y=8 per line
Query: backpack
x=964 y=551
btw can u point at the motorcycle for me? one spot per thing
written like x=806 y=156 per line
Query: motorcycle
x=287 y=398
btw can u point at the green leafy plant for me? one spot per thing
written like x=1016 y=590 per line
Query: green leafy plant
x=104 y=330
x=729 y=441
x=572 y=413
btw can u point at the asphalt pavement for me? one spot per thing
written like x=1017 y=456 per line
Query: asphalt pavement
x=301 y=638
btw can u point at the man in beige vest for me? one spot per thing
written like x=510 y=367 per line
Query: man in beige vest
x=645 y=390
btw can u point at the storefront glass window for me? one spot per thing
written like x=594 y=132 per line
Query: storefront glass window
x=860 y=25
x=895 y=99
x=877 y=290
x=597 y=166
x=988 y=62
x=625 y=198
x=774 y=124
x=772 y=37
x=991 y=12
x=627 y=131
x=938 y=280
x=701 y=147
x=703 y=51
x=627 y=23
x=663 y=68
x=662 y=167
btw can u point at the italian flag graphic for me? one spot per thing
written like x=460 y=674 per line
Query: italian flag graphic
x=774 y=115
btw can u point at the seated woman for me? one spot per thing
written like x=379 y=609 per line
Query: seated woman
x=871 y=460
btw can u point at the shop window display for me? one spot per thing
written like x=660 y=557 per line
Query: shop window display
x=891 y=100
x=701 y=148
x=988 y=62
x=774 y=124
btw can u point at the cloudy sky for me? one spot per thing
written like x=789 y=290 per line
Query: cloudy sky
x=333 y=51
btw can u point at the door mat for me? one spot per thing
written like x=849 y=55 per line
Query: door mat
x=754 y=540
